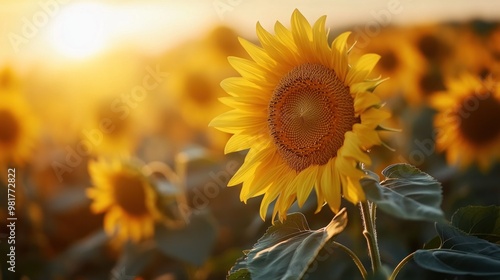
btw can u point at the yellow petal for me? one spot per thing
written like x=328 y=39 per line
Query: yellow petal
x=374 y=116
x=368 y=137
x=351 y=189
x=365 y=100
x=238 y=142
x=286 y=38
x=283 y=203
x=320 y=39
x=238 y=119
x=249 y=165
x=351 y=149
x=330 y=186
x=364 y=66
x=302 y=33
x=269 y=197
x=279 y=50
x=305 y=182
x=248 y=69
x=339 y=55
x=258 y=54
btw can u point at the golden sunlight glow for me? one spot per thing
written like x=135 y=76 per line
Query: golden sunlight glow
x=80 y=30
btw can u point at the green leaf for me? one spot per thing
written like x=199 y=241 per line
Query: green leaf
x=480 y=221
x=192 y=244
x=406 y=193
x=460 y=254
x=240 y=274
x=78 y=253
x=287 y=250
x=133 y=260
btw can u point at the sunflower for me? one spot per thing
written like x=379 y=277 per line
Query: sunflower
x=471 y=54
x=435 y=42
x=109 y=131
x=399 y=60
x=467 y=122
x=18 y=129
x=8 y=78
x=224 y=41
x=434 y=46
x=195 y=86
x=306 y=114
x=127 y=196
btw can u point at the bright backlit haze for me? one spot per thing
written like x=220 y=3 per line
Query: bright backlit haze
x=81 y=29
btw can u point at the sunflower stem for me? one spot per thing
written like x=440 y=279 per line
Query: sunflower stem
x=370 y=234
x=354 y=258
x=400 y=266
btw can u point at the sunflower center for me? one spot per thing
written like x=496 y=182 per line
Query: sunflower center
x=389 y=61
x=432 y=47
x=9 y=129
x=130 y=194
x=310 y=111
x=199 y=89
x=479 y=123
x=430 y=82
x=118 y=123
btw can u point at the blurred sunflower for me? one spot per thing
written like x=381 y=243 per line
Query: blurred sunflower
x=493 y=43
x=467 y=122
x=127 y=196
x=434 y=44
x=307 y=116
x=111 y=128
x=195 y=84
x=224 y=41
x=18 y=129
x=8 y=78
x=399 y=60
x=470 y=55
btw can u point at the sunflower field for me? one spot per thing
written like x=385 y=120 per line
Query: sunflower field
x=242 y=140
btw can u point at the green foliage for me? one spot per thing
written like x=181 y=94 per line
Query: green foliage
x=406 y=192
x=240 y=274
x=479 y=221
x=192 y=244
x=132 y=261
x=288 y=250
x=85 y=249
x=460 y=254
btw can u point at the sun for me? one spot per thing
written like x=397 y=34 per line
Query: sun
x=80 y=30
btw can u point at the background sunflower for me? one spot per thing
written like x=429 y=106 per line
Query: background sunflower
x=18 y=131
x=126 y=196
x=466 y=122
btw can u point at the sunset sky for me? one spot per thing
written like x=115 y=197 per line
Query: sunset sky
x=33 y=30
